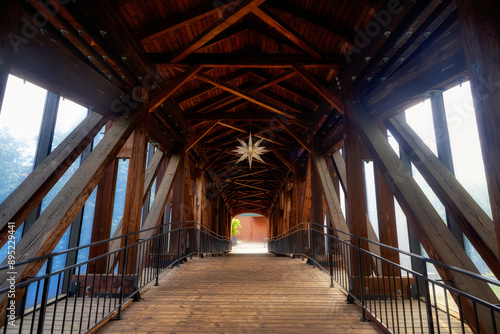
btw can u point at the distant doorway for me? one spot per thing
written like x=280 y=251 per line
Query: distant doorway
x=253 y=228
x=252 y=236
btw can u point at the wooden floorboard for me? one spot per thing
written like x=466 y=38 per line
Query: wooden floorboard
x=242 y=293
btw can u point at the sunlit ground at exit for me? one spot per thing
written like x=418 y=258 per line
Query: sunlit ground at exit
x=244 y=247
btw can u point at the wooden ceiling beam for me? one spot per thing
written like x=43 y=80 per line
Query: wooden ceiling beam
x=188 y=96
x=71 y=34
x=286 y=31
x=231 y=100
x=252 y=187
x=288 y=104
x=241 y=94
x=246 y=115
x=225 y=22
x=287 y=87
x=320 y=88
x=200 y=12
x=295 y=136
x=345 y=34
x=173 y=87
x=283 y=160
x=226 y=34
x=202 y=134
x=274 y=35
x=248 y=60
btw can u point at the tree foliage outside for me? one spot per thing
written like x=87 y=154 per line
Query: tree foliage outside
x=235 y=225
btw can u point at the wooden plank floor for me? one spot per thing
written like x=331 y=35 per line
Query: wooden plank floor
x=242 y=293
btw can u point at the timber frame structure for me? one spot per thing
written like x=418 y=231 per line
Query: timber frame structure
x=308 y=77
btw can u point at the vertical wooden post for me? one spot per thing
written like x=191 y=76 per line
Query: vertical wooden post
x=135 y=185
x=306 y=197
x=178 y=206
x=481 y=37
x=317 y=209
x=356 y=194
x=103 y=214
x=386 y=212
x=444 y=152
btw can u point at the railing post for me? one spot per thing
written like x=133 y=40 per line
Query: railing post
x=302 y=243
x=330 y=258
x=158 y=250
x=361 y=281
x=122 y=283
x=428 y=306
x=45 y=296
x=311 y=228
x=179 y=245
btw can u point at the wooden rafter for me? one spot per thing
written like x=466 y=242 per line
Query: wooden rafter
x=237 y=13
x=207 y=88
x=242 y=94
x=246 y=115
x=230 y=100
x=345 y=34
x=320 y=88
x=283 y=159
x=202 y=134
x=173 y=87
x=249 y=60
x=288 y=87
x=186 y=18
x=295 y=136
x=286 y=31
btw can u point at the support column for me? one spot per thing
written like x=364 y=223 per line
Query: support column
x=386 y=212
x=135 y=186
x=444 y=152
x=317 y=212
x=103 y=214
x=481 y=37
x=178 y=208
x=356 y=193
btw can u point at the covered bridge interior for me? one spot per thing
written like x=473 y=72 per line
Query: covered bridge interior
x=275 y=107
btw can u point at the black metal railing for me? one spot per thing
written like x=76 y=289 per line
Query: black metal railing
x=77 y=298
x=402 y=300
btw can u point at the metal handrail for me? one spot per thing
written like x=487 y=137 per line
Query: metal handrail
x=141 y=262
x=73 y=249
x=360 y=284
x=400 y=251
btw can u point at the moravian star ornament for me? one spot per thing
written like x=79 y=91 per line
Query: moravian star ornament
x=250 y=151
